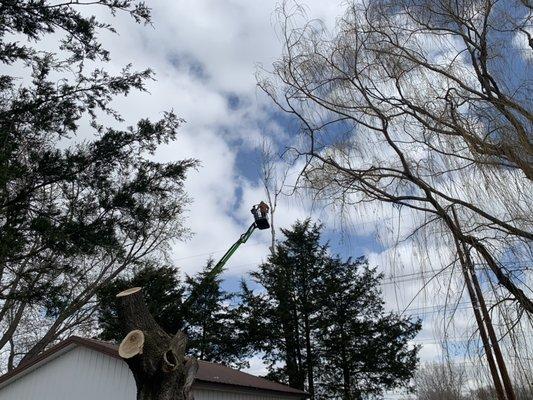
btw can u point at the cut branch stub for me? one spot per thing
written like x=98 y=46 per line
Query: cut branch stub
x=133 y=312
x=132 y=344
x=170 y=362
x=129 y=291
x=174 y=356
x=178 y=345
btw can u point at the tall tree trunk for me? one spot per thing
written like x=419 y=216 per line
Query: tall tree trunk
x=272 y=232
x=507 y=384
x=293 y=357
x=298 y=345
x=484 y=319
x=310 y=362
x=291 y=361
x=156 y=359
x=346 y=376
x=310 y=359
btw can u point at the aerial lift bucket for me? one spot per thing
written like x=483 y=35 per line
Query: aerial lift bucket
x=262 y=223
x=260 y=212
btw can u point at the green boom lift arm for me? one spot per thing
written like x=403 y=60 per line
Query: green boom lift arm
x=260 y=222
x=217 y=269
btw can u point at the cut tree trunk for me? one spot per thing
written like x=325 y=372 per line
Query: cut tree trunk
x=156 y=359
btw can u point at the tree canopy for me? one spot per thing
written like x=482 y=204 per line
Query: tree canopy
x=413 y=106
x=321 y=323
x=421 y=109
x=210 y=320
x=79 y=201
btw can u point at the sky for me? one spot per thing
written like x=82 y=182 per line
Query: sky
x=206 y=55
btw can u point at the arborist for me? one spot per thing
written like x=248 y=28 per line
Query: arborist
x=263 y=209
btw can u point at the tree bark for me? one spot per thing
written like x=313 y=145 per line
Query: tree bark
x=159 y=367
x=310 y=362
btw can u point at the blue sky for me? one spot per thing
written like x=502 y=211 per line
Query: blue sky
x=206 y=55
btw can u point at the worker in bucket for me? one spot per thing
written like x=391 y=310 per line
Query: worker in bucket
x=263 y=209
x=255 y=212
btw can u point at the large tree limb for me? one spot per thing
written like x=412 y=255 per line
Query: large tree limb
x=156 y=359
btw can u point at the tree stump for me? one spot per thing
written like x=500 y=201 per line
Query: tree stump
x=156 y=359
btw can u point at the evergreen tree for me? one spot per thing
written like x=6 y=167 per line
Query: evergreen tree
x=198 y=306
x=79 y=202
x=288 y=308
x=323 y=320
x=210 y=321
x=363 y=350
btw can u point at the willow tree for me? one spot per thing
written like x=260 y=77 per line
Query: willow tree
x=422 y=108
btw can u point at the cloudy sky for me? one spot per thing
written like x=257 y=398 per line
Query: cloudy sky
x=206 y=54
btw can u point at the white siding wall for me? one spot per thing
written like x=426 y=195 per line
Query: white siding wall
x=80 y=374
x=84 y=374
x=204 y=394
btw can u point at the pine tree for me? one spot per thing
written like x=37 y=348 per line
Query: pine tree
x=323 y=320
x=199 y=307
x=210 y=321
x=288 y=307
x=363 y=349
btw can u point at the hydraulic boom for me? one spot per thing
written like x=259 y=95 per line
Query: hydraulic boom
x=260 y=222
x=217 y=269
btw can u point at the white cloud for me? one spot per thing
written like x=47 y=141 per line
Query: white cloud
x=203 y=52
x=257 y=367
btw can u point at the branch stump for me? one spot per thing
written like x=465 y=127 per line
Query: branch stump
x=156 y=359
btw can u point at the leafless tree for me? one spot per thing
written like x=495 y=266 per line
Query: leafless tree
x=440 y=381
x=457 y=381
x=273 y=176
x=422 y=107
x=386 y=116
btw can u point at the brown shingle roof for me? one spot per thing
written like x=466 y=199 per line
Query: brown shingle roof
x=208 y=372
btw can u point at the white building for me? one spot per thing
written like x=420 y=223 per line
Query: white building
x=87 y=369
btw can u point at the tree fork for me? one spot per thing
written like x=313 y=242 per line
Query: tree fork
x=156 y=359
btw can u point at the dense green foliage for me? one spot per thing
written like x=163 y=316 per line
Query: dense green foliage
x=162 y=293
x=287 y=309
x=363 y=350
x=79 y=201
x=211 y=322
x=322 y=319
x=197 y=306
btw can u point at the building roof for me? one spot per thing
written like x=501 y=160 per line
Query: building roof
x=208 y=373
